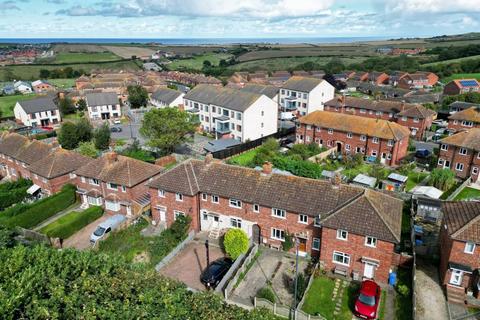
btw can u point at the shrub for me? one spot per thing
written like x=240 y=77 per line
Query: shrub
x=13 y=192
x=301 y=286
x=442 y=179
x=266 y=293
x=403 y=290
x=235 y=242
x=288 y=243
x=67 y=225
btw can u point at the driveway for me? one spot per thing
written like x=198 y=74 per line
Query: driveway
x=426 y=145
x=430 y=298
x=81 y=239
x=189 y=263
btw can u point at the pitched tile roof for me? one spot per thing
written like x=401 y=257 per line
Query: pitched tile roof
x=119 y=169
x=303 y=84
x=58 y=163
x=462 y=219
x=416 y=111
x=223 y=97
x=469 y=139
x=166 y=95
x=12 y=143
x=269 y=91
x=470 y=114
x=360 y=125
x=294 y=194
x=33 y=151
x=38 y=104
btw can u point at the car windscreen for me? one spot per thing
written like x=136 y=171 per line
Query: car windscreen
x=99 y=232
x=367 y=300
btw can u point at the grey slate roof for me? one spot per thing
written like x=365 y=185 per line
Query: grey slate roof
x=223 y=97
x=166 y=95
x=38 y=105
x=269 y=91
x=302 y=84
x=102 y=99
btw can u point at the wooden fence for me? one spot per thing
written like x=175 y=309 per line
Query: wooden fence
x=283 y=311
x=175 y=251
x=459 y=189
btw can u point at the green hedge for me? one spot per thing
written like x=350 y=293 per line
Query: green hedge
x=13 y=192
x=12 y=185
x=28 y=216
x=69 y=224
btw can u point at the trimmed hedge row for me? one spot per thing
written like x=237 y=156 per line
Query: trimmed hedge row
x=13 y=192
x=68 y=225
x=28 y=216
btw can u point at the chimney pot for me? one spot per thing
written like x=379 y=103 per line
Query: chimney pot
x=208 y=158
x=267 y=167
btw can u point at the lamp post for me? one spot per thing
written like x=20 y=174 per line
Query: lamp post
x=207 y=251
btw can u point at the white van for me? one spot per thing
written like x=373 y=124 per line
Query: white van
x=106 y=227
x=287 y=116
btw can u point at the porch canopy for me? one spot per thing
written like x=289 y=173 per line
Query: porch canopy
x=33 y=189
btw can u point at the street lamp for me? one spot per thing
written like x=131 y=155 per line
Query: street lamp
x=207 y=251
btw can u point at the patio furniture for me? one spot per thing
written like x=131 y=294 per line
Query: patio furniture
x=341 y=271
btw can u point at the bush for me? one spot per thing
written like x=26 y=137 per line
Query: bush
x=67 y=225
x=13 y=192
x=442 y=179
x=31 y=215
x=288 y=243
x=235 y=242
x=403 y=289
x=301 y=286
x=266 y=293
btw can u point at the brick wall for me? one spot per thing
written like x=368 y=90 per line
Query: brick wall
x=458 y=126
x=470 y=160
x=54 y=185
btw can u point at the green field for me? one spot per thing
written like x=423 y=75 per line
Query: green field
x=32 y=72
x=8 y=102
x=197 y=61
x=450 y=61
x=461 y=76
x=81 y=57
x=274 y=64
x=62 y=83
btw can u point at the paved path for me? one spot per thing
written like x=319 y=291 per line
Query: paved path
x=75 y=207
x=430 y=297
x=81 y=239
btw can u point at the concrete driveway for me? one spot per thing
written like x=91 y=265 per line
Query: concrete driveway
x=430 y=298
x=81 y=239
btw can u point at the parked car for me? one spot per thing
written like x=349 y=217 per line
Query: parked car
x=106 y=227
x=368 y=300
x=287 y=116
x=215 y=272
x=436 y=137
x=116 y=129
x=117 y=121
x=440 y=123
x=422 y=153
x=441 y=131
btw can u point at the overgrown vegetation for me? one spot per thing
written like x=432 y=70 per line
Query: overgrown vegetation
x=69 y=224
x=136 y=152
x=71 y=134
x=267 y=294
x=13 y=192
x=403 y=301
x=442 y=179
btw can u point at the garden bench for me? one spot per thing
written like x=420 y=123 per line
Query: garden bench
x=340 y=270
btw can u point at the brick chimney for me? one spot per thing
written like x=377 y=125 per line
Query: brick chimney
x=111 y=156
x=208 y=158
x=336 y=180
x=61 y=95
x=267 y=168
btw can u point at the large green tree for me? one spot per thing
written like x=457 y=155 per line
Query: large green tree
x=71 y=134
x=442 y=179
x=137 y=96
x=66 y=106
x=101 y=137
x=167 y=128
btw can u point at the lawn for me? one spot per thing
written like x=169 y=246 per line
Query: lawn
x=353 y=172
x=8 y=102
x=69 y=224
x=197 y=61
x=243 y=159
x=62 y=83
x=461 y=76
x=448 y=192
x=414 y=178
x=82 y=57
x=468 y=194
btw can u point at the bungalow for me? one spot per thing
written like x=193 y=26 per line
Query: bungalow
x=360 y=76
x=231 y=113
x=167 y=98
x=117 y=183
x=305 y=95
x=374 y=138
x=41 y=86
x=418 y=80
x=459 y=255
x=103 y=105
x=41 y=111
x=465 y=119
x=461 y=86
x=348 y=228
x=22 y=87
x=461 y=154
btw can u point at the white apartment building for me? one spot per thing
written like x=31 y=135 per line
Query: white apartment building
x=231 y=113
x=167 y=98
x=39 y=112
x=103 y=106
x=305 y=95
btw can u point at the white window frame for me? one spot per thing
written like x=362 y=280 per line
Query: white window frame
x=274 y=236
x=375 y=140
x=444 y=147
x=236 y=223
x=458 y=165
x=390 y=143
x=109 y=186
x=349 y=135
x=317 y=221
x=370 y=242
x=475 y=170
x=345 y=257
x=363 y=137
x=161 y=193
x=215 y=199
x=234 y=203
x=179 y=197
x=279 y=213
x=177 y=213
x=330 y=131
x=340 y=234
x=256 y=208
x=204 y=197
x=316 y=247
x=93 y=183
x=463 y=151
x=124 y=189
x=303 y=219
x=467 y=244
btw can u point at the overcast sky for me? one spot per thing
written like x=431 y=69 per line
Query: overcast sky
x=235 y=18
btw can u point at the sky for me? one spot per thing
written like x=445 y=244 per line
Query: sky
x=236 y=18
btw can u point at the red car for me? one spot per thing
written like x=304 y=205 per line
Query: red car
x=368 y=300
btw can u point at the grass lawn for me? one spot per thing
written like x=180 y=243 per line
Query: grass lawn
x=447 y=193
x=243 y=159
x=381 y=310
x=403 y=304
x=461 y=76
x=72 y=117
x=352 y=173
x=8 y=102
x=69 y=224
x=62 y=83
x=81 y=57
x=197 y=61
x=414 y=178
x=467 y=194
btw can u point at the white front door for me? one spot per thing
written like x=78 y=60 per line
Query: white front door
x=369 y=271
x=456 y=277
x=162 y=213
x=383 y=158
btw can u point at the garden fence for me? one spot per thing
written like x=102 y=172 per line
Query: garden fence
x=414 y=264
x=33 y=235
x=242 y=268
x=310 y=281
x=283 y=311
x=175 y=251
x=459 y=189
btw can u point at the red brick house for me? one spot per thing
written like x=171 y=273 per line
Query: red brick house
x=465 y=119
x=269 y=207
x=56 y=170
x=461 y=153
x=418 y=80
x=353 y=134
x=378 y=78
x=459 y=255
x=360 y=76
x=116 y=182
x=413 y=116
x=41 y=86
x=461 y=86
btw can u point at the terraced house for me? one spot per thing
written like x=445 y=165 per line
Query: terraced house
x=413 y=116
x=465 y=119
x=349 y=134
x=349 y=228
x=461 y=153
x=231 y=113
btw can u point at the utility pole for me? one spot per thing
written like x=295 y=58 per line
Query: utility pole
x=207 y=252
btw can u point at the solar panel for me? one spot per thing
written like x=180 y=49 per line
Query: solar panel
x=469 y=83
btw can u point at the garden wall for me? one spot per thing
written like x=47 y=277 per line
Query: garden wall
x=322 y=155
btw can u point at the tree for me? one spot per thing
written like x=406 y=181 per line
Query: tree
x=84 y=130
x=442 y=179
x=207 y=64
x=137 y=96
x=101 y=137
x=167 y=128
x=235 y=242
x=44 y=74
x=87 y=148
x=67 y=137
x=66 y=106
x=82 y=105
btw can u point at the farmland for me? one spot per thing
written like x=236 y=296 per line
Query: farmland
x=8 y=102
x=451 y=61
x=62 y=83
x=128 y=52
x=197 y=61
x=461 y=76
x=80 y=57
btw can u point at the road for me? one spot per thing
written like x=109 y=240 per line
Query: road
x=128 y=131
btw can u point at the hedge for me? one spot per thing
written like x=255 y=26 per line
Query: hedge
x=28 y=216
x=69 y=224
x=13 y=192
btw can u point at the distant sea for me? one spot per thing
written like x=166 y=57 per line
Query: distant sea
x=193 y=41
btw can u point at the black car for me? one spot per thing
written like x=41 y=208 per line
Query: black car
x=422 y=153
x=116 y=129
x=215 y=272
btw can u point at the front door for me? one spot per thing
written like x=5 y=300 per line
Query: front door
x=456 y=277
x=384 y=156
x=369 y=271
x=162 y=213
x=302 y=245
